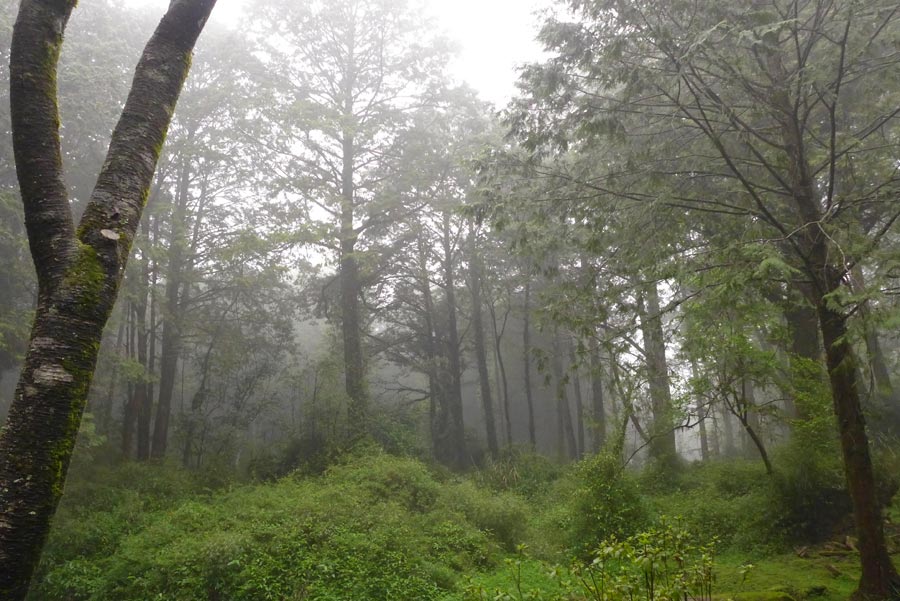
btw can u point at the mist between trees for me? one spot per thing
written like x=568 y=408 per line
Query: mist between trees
x=676 y=245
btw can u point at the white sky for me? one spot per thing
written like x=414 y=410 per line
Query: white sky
x=495 y=37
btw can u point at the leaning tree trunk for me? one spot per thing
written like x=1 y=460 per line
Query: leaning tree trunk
x=79 y=270
x=501 y=365
x=879 y=578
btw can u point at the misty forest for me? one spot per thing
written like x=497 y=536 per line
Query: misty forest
x=288 y=311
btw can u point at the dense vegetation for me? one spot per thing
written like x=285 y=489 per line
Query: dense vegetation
x=379 y=526
x=631 y=337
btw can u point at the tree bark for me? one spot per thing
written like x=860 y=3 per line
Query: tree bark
x=79 y=271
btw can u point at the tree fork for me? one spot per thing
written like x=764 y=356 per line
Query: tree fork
x=79 y=271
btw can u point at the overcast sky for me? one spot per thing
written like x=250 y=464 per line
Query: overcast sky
x=495 y=36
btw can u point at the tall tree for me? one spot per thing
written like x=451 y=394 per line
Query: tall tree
x=476 y=288
x=662 y=442
x=347 y=76
x=78 y=270
x=756 y=106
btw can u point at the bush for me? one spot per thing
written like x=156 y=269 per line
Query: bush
x=604 y=503
x=809 y=498
x=520 y=471
x=503 y=515
x=728 y=499
x=664 y=563
x=373 y=527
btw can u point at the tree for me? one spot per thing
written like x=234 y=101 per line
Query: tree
x=346 y=75
x=476 y=288
x=754 y=114
x=78 y=269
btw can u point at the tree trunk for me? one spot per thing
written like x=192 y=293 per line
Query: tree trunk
x=129 y=411
x=141 y=388
x=145 y=411
x=745 y=410
x=351 y=327
x=886 y=406
x=598 y=412
x=701 y=417
x=730 y=449
x=475 y=284
x=579 y=401
x=566 y=444
x=526 y=364
x=879 y=579
x=456 y=428
x=104 y=419
x=438 y=410
x=704 y=437
x=173 y=314
x=197 y=402
x=501 y=366
x=805 y=348
x=79 y=271
x=662 y=444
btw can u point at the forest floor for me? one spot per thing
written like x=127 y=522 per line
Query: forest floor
x=738 y=576
x=824 y=572
x=380 y=527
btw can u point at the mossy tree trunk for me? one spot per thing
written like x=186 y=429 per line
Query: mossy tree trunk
x=79 y=269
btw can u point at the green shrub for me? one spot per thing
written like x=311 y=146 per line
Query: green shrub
x=520 y=471
x=728 y=499
x=373 y=527
x=664 y=563
x=604 y=503
x=809 y=499
x=502 y=515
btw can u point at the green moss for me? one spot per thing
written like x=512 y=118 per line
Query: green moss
x=86 y=276
x=82 y=372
